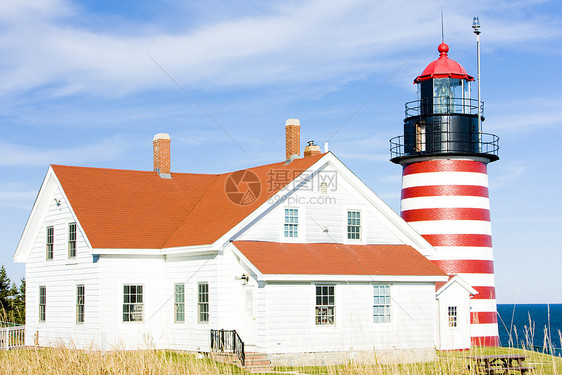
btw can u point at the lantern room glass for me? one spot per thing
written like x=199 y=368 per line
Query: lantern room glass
x=451 y=95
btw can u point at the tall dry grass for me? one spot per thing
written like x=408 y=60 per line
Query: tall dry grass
x=71 y=361
x=62 y=361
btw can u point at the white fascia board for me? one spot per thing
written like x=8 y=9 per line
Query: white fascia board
x=354 y=278
x=190 y=250
x=400 y=227
x=48 y=187
x=175 y=251
x=146 y=252
x=246 y=261
x=233 y=233
x=458 y=280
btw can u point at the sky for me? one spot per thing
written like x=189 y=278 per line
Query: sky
x=89 y=83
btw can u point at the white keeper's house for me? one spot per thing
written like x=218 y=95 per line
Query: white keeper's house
x=300 y=258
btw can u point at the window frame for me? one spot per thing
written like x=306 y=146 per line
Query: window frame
x=72 y=240
x=42 y=303
x=452 y=317
x=203 y=305
x=382 y=310
x=49 y=242
x=323 y=317
x=358 y=233
x=291 y=226
x=179 y=305
x=80 y=304
x=132 y=306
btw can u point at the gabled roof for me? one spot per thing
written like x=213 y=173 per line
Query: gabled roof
x=440 y=287
x=336 y=259
x=124 y=209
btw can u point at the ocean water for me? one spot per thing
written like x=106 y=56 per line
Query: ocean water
x=537 y=325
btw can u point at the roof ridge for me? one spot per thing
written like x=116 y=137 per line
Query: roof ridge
x=130 y=170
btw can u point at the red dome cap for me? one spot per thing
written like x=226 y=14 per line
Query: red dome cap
x=443 y=67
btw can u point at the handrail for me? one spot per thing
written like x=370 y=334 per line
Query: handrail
x=12 y=337
x=443 y=105
x=478 y=143
x=228 y=341
x=11 y=324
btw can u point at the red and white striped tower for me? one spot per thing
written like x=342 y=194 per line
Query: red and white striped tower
x=445 y=183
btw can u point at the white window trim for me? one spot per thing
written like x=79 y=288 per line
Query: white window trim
x=208 y=302
x=300 y=225
x=176 y=321
x=455 y=316
x=72 y=258
x=324 y=326
x=391 y=305
x=144 y=304
x=76 y=304
x=39 y=304
x=362 y=237
x=50 y=225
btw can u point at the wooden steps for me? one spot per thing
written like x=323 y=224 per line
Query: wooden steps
x=256 y=363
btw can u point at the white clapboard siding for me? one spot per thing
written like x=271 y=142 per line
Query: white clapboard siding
x=190 y=335
x=291 y=326
x=60 y=277
x=158 y=277
x=323 y=218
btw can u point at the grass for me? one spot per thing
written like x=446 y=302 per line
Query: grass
x=453 y=362
x=70 y=361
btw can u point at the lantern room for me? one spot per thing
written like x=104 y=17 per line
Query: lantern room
x=443 y=121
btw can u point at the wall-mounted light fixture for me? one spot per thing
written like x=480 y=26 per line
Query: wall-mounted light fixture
x=245 y=278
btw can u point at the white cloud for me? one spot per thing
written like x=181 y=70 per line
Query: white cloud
x=300 y=42
x=101 y=150
x=525 y=114
x=17 y=195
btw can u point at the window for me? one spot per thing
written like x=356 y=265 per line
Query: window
x=203 y=302
x=132 y=303
x=42 y=303
x=179 y=303
x=381 y=304
x=325 y=305
x=80 y=291
x=50 y=242
x=323 y=188
x=353 y=225
x=291 y=229
x=452 y=316
x=420 y=137
x=72 y=240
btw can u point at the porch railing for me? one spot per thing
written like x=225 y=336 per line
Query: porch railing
x=228 y=341
x=12 y=337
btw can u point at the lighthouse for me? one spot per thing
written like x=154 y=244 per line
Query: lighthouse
x=444 y=155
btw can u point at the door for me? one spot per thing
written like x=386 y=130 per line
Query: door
x=249 y=312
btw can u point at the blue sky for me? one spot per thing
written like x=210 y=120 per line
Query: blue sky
x=80 y=85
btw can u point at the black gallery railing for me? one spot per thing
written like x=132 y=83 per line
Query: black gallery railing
x=445 y=142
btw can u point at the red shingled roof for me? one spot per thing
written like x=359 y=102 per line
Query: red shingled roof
x=336 y=259
x=139 y=210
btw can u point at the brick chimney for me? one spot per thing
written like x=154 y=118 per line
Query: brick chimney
x=161 y=143
x=292 y=138
x=311 y=149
